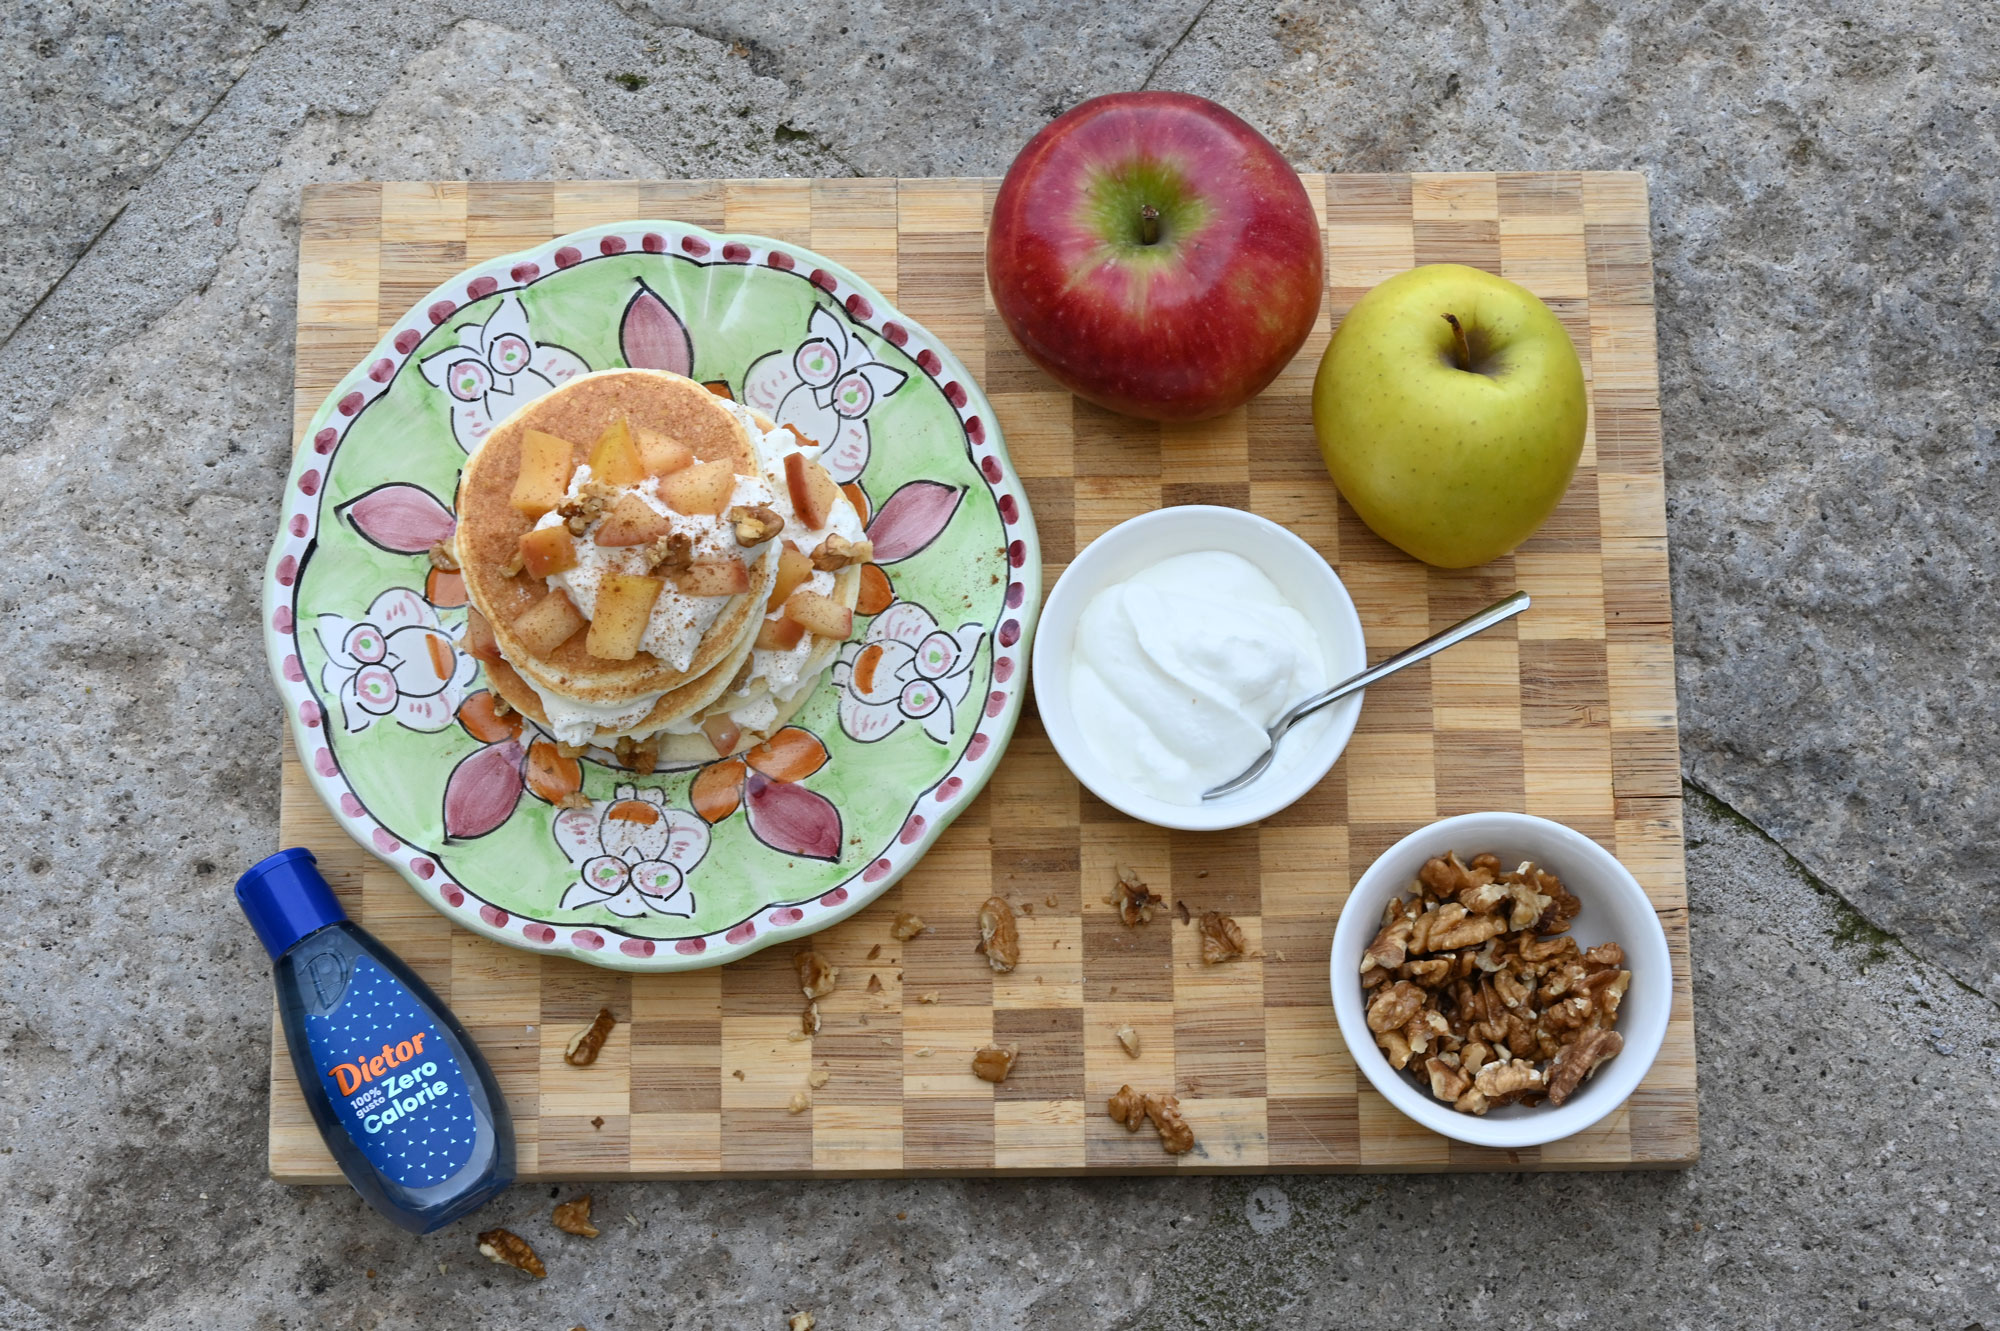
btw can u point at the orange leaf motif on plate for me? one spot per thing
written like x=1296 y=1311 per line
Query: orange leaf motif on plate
x=550 y=775
x=876 y=593
x=718 y=790
x=482 y=720
x=790 y=755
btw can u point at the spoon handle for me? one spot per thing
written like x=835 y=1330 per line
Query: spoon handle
x=1431 y=646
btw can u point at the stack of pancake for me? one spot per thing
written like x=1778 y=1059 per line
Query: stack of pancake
x=654 y=570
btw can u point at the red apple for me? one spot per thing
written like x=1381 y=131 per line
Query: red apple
x=1155 y=255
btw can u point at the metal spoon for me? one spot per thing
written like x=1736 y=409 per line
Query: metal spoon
x=1431 y=646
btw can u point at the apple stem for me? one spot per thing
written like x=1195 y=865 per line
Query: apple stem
x=1461 y=350
x=1149 y=224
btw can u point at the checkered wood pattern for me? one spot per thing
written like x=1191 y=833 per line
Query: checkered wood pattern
x=1567 y=712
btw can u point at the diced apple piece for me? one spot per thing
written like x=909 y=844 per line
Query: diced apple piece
x=614 y=458
x=544 y=475
x=548 y=623
x=813 y=492
x=722 y=732
x=713 y=577
x=479 y=642
x=662 y=454
x=794 y=568
x=780 y=634
x=547 y=550
x=822 y=614
x=704 y=488
x=624 y=607
x=632 y=521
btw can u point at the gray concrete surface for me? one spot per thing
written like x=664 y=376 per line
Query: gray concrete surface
x=1823 y=181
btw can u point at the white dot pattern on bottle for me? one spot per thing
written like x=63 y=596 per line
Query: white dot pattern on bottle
x=421 y=1135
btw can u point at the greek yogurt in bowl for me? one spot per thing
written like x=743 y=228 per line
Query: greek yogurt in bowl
x=1169 y=645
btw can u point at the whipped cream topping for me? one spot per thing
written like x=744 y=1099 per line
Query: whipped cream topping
x=679 y=621
x=1178 y=673
x=576 y=722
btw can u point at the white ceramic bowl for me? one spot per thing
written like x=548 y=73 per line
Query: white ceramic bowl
x=1615 y=909
x=1306 y=580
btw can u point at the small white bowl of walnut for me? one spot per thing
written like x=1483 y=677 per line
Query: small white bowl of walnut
x=1501 y=979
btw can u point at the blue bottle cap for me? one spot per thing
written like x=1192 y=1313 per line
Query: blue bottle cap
x=286 y=899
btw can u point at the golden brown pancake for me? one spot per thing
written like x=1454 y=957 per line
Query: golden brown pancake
x=489 y=529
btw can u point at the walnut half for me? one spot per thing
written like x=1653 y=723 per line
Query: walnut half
x=1127 y=1107
x=1176 y=1137
x=816 y=978
x=673 y=553
x=510 y=1249
x=574 y=1218
x=585 y=1045
x=994 y=1062
x=1577 y=1061
x=755 y=523
x=1221 y=938
x=1135 y=900
x=836 y=552
x=1131 y=1108
x=998 y=937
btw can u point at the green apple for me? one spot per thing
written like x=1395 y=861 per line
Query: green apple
x=1450 y=410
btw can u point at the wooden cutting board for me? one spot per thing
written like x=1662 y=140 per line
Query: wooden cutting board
x=1567 y=712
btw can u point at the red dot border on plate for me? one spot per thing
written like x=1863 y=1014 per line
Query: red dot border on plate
x=376 y=375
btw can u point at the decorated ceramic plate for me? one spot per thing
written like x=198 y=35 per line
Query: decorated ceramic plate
x=677 y=868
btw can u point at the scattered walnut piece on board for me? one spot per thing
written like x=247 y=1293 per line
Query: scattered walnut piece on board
x=510 y=1249
x=998 y=937
x=1135 y=901
x=574 y=1218
x=874 y=952
x=1128 y=1038
x=800 y=1321
x=907 y=926
x=585 y=1045
x=994 y=1062
x=928 y=996
x=1131 y=1108
x=874 y=983
x=816 y=978
x=1221 y=938
x=799 y=1103
x=809 y=1020
x=1176 y=1137
x=818 y=1077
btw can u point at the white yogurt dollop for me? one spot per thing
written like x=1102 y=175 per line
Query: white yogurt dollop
x=1178 y=673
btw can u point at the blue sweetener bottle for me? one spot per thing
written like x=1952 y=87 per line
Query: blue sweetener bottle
x=400 y=1093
